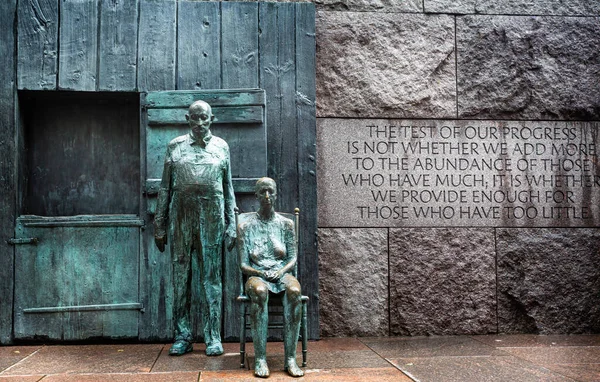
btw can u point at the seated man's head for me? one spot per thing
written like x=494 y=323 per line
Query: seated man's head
x=200 y=117
x=266 y=192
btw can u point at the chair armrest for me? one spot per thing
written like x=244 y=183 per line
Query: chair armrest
x=242 y=298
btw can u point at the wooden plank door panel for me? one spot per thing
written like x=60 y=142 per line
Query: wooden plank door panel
x=79 y=279
x=157 y=45
x=308 y=267
x=8 y=175
x=78 y=54
x=278 y=78
x=199 y=45
x=37 y=44
x=117 y=69
x=239 y=120
x=239 y=45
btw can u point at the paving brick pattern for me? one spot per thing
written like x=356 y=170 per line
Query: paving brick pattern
x=453 y=358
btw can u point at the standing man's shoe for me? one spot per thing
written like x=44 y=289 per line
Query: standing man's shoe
x=180 y=347
x=214 y=349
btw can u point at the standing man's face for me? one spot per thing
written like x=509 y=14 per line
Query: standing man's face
x=200 y=119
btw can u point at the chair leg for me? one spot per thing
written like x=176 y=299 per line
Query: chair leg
x=243 y=337
x=304 y=334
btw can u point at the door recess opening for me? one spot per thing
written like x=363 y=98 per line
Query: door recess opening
x=81 y=153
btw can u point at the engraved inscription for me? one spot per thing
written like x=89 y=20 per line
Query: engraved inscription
x=465 y=173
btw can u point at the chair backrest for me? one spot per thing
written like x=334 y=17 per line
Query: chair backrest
x=294 y=217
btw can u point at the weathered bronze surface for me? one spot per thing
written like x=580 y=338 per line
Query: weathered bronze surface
x=195 y=204
x=268 y=257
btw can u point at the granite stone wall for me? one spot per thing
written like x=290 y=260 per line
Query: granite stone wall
x=488 y=60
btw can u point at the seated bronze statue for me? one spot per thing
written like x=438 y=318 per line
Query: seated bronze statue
x=267 y=249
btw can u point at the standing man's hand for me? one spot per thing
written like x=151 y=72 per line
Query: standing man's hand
x=161 y=240
x=230 y=237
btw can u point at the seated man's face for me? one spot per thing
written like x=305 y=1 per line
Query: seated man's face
x=266 y=193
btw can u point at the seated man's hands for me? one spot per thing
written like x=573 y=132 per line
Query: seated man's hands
x=272 y=276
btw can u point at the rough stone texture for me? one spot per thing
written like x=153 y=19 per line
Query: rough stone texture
x=548 y=280
x=442 y=281
x=450 y=6
x=518 y=67
x=353 y=282
x=375 y=5
x=385 y=65
x=516 y=7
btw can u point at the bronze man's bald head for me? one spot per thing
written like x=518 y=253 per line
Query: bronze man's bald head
x=200 y=117
x=266 y=191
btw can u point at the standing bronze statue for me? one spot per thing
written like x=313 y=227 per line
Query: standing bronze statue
x=196 y=204
x=267 y=257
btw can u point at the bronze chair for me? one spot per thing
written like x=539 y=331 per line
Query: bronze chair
x=274 y=299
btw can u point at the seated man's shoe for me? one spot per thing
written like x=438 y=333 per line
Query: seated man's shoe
x=180 y=347
x=214 y=349
x=261 y=370
x=292 y=368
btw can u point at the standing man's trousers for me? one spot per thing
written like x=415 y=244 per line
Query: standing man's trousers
x=196 y=248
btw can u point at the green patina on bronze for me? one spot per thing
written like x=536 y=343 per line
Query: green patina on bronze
x=242 y=45
x=195 y=204
x=267 y=250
